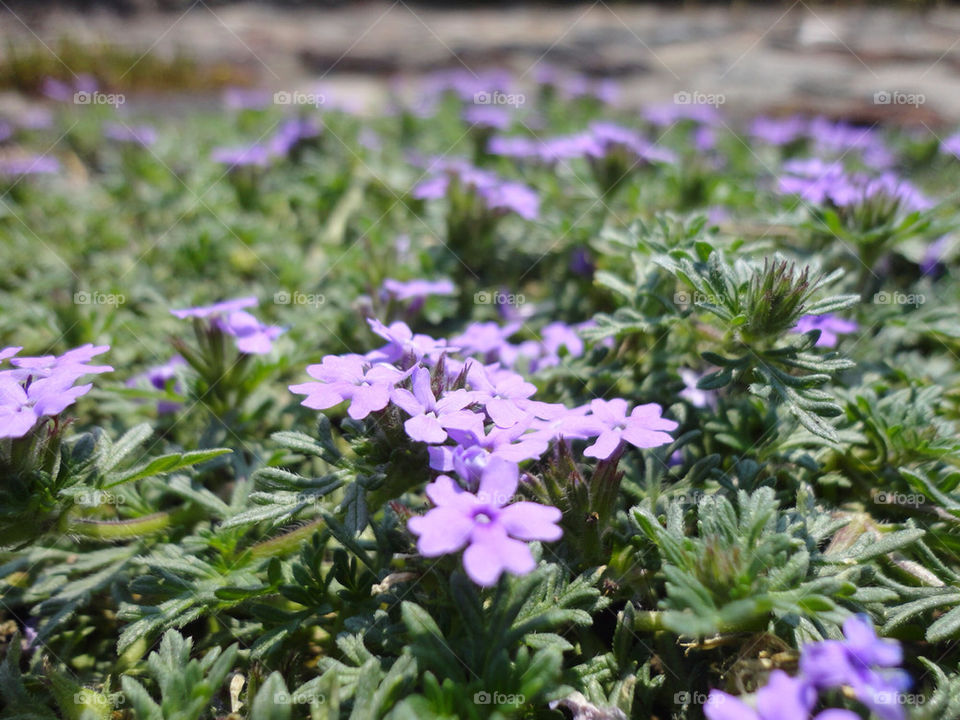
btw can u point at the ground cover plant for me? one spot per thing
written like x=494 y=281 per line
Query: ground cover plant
x=505 y=401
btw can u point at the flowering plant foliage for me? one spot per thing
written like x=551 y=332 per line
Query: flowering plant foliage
x=561 y=409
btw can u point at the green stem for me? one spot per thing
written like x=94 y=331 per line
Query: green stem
x=120 y=529
x=286 y=543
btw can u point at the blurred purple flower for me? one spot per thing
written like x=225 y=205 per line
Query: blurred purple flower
x=18 y=166
x=829 y=325
x=143 y=135
x=404 y=345
x=779 y=131
x=252 y=336
x=418 y=289
x=158 y=376
x=253 y=155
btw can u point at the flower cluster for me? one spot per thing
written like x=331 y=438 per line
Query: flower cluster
x=497 y=195
x=861 y=663
x=38 y=387
x=229 y=317
x=480 y=421
x=289 y=135
x=819 y=182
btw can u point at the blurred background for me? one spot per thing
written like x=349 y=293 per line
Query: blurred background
x=862 y=62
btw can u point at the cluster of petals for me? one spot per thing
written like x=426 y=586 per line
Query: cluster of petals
x=480 y=420
x=230 y=317
x=38 y=387
x=862 y=664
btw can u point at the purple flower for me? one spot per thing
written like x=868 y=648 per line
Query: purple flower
x=351 y=377
x=246 y=99
x=158 y=376
x=143 y=135
x=514 y=443
x=782 y=698
x=951 y=145
x=829 y=325
x=220 y=308
x=667 y=114
x=39 y=387
x=485 y=340
x=498 y=195
x=645 y=427
x=17 y=166
x=253 y=155
x=252 y=336
x=494 y=533
x=429 y=417
x=494 y=117
x=694 y=395
x=502 y=393
x=779 y=131
x=606 y=138
x=291 y=133
x=404 y=345
x=852 y=663
x=72 y=363
x=418 y=289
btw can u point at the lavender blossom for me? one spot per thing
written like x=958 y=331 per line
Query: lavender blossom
x=430 y=417
x=494 y=533
x=143 y=135
x=644 y=427
x=829 y=325
x=252 y=336
x=366 y=385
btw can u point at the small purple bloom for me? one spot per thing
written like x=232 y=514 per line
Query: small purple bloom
x=252 y=336
x=404 y=345
x=290 y=134
x=18 y=166
x=503 y=394
x=694 y=395
x=430 y=418
x=246 y=99
x=829 y=325
x=782 y=698
x=254 y=155
x=494 y=533
x=779 y=131
x=158 y=376
x=645 y=427
x=220 y=308
x=39 y=387
x=418 y=289
x=143 y=135
x=494 y=117
x=351 y=377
